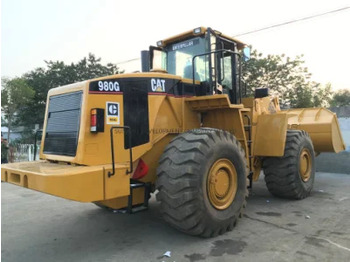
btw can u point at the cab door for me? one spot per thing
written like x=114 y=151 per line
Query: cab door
x=228 y=70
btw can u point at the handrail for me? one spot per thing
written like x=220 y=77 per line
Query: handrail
x=112 y=149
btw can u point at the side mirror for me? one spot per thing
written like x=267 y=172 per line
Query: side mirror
x=157 y=58
x=246 y=53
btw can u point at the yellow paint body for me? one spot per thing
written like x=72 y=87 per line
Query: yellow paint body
x=84 y=177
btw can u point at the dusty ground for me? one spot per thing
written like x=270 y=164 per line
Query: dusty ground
x=333 y=163
x=39 y=227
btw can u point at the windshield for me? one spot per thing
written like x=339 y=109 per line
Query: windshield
x=180 y=58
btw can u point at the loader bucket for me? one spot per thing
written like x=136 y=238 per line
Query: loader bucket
x=322 y=126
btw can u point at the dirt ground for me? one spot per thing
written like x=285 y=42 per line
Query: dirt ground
x=333 y=163
x=39 y=227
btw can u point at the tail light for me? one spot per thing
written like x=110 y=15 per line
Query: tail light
x=97 y=120
x=141 y=170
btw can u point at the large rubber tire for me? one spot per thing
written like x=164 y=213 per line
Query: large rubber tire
x=284 y=176
x=183 y=182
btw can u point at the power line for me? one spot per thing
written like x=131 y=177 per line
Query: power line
x=293 y=21
x=269 y=27
x=126 y=61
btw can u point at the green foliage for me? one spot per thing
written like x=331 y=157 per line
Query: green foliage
x=3 y=121
x=4 y=151
x=14 y=93
x=341 y=98
x=57 y=73
x=285 y=77
x=15 y=96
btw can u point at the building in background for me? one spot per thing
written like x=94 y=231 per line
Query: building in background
x=16 y=133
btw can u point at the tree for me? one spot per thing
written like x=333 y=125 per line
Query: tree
x=322 y=96
x=57 y=73
x=285 y=77
x=15 y=94
x=341 y=98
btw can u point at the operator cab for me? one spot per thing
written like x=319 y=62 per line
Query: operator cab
x=202 y=57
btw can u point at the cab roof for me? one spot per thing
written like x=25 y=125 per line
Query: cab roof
x=200 y=31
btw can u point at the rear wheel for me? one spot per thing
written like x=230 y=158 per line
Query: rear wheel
x=202 y=182
x=292 y=176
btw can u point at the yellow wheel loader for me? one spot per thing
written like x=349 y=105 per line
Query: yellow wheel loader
x=182 y=128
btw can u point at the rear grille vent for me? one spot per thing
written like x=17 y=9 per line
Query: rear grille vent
x=63 y=121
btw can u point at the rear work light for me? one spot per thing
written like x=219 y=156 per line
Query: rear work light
x=197 y=31
x=97 y=120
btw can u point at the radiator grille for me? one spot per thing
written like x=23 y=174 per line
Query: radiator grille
x=63 y=121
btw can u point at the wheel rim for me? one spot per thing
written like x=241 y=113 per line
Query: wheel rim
x=222 y=184
x=305 y=165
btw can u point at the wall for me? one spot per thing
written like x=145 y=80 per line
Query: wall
x=338 y=163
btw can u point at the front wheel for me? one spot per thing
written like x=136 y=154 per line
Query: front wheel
x=202 y=182
x=292 y=176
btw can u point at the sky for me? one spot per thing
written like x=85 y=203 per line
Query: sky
x=67 y=30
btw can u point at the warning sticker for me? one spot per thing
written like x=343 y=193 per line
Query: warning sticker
x=112 y=109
